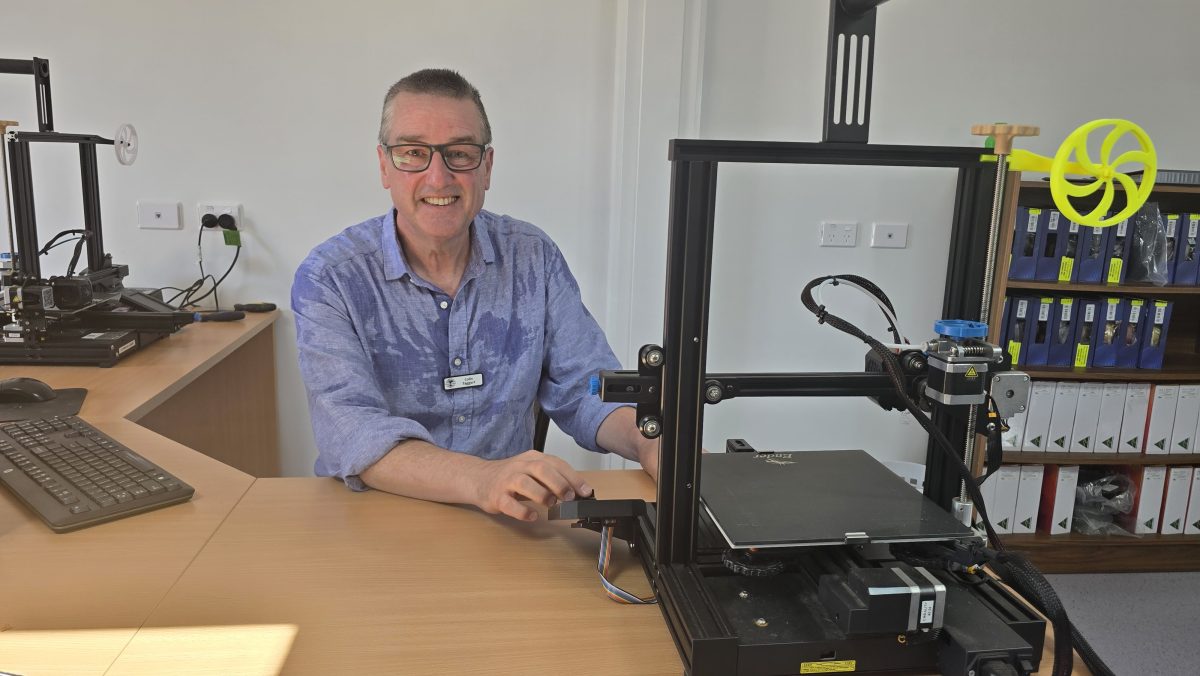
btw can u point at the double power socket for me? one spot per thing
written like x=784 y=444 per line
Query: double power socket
x=217 y=209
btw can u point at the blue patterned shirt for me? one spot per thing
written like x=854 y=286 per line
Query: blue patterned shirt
x=376 y=341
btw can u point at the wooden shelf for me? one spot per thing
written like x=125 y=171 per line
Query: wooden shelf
x=1158 y=188
x=1147 y=290
x=1170 y=199
x=1015 y=458
x=1075 y=553
x=1179 y=367
x=1185 y=372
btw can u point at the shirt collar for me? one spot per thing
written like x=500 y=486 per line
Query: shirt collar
x=395 y=266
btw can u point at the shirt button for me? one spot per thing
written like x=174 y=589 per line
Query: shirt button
x=443 y=305
x=462 y=418
x=457 y=361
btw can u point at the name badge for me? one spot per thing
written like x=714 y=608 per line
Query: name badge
x=459 y=382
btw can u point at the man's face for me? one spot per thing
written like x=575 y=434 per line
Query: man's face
x=435 y=205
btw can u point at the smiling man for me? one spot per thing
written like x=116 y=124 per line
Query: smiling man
x=427 y=334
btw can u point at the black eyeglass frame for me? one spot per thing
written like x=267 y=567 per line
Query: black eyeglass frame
x=440 y=150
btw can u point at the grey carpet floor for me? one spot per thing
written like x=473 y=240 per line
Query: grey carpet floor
x=1139 y=623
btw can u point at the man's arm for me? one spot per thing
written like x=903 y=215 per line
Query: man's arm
x=575 y=349
x=619 y=433
x=352 y=425
x=419 y=469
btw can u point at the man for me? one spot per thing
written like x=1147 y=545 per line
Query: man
x=426 y=333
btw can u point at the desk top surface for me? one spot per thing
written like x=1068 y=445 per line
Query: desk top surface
x=302 y=575
x=329 y=580
x=77 y=598
x=148 y=377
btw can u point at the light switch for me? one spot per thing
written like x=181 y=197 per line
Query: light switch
x=159 y=215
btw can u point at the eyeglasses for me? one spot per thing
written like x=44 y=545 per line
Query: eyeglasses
x=417 y=156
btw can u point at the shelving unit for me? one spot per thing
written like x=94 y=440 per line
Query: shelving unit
x=1074 y=553
x=1131 y=289
x=1013 y=458
x=1112 y=553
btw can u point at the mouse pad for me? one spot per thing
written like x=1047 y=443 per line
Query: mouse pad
x=68 y=402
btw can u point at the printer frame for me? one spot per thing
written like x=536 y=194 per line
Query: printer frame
x=99 y=332
x=675 y=538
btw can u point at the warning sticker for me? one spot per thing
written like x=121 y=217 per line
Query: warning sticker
x=830 y=667
x=971 y=374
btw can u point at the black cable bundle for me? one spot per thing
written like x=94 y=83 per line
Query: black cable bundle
x=892 y=366
x=869 y=287
x=1015 y=570
x=1012 y=567
x=1090 y=658
x=57 y=240
x=195 y=287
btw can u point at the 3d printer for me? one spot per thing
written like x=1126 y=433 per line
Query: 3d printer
x=84 y=317
x=780 y=562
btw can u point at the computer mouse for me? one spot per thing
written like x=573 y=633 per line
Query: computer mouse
x=25 y=391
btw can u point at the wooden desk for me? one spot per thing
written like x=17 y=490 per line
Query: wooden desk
x=305 y=577
x=301 y=575
x=69 y=603
x=322 y=580
x=211 y=387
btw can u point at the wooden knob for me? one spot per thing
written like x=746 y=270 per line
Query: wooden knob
x=1004 y=134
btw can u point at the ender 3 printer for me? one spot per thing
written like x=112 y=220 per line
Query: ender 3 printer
x=813 y=561
x=87 y=317
x=777 y=562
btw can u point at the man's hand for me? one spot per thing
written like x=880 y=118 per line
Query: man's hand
x=500 y=485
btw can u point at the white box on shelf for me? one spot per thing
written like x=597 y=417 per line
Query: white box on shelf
x=1087 y=418
x=1037 y=417
x=1192 y=520
x=1029 y=496
x=1004 y=499
x=1133 y=419
x=1112 y=409
x=1150 y=481
x=1183 y=433
x=1058 y=499
x=1066 y=400
x=1179 y=483
x=1163 y=400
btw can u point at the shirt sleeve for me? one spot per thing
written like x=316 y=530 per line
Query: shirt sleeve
x=351 y=422
x=576 y=349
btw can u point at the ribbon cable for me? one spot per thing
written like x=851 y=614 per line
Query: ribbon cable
x=614 y=592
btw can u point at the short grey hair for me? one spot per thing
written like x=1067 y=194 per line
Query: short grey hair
x=436 y=81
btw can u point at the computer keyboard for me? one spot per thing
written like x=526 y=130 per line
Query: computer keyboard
x=73 y=475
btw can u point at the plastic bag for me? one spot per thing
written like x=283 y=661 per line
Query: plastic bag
x=1148 y=253
x=1099 y=499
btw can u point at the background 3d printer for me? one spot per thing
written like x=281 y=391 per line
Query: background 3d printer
x=275 y=105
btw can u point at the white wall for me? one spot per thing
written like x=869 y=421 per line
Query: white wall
x=940 y=66
x=275 y=105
